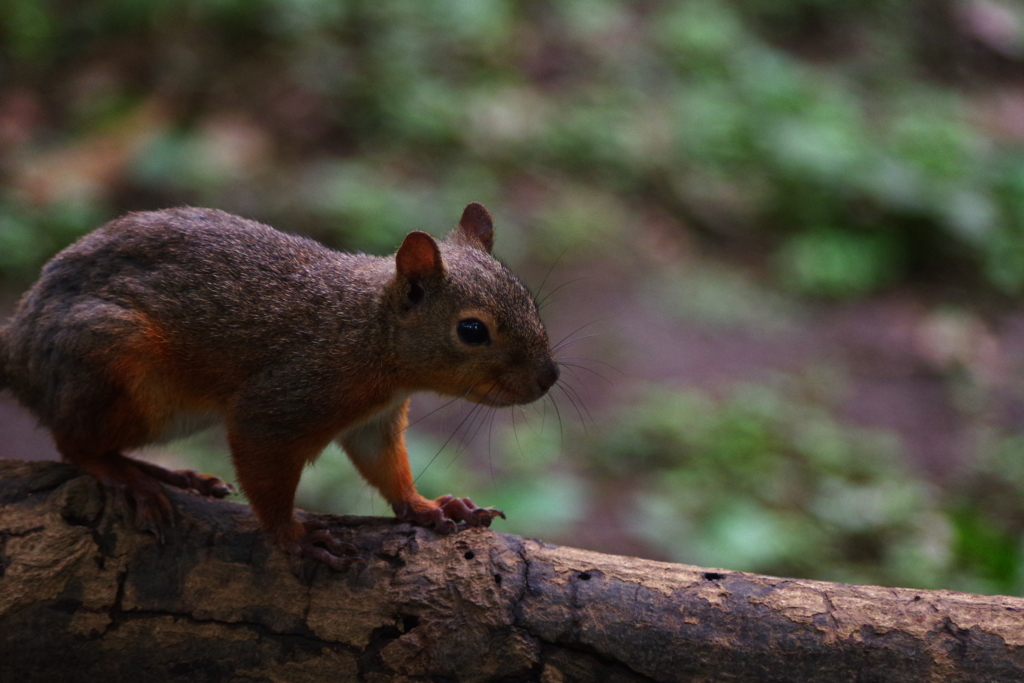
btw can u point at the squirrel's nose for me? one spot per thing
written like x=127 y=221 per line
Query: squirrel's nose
x=547 y=377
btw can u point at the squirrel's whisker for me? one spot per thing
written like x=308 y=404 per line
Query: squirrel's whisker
x=558 y=416
x=543 y=282
x=575 y=405
x=443 y=446
x=436 y=410
x=547 y=297
x=573 y=367
x=586 y=359
x=569 y=342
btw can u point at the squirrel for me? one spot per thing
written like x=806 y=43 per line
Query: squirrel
x=158 y=322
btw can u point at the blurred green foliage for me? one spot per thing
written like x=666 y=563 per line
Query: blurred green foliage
x=854 y=170
x=813 y=133
x=31 y=235
x=765 y=479
x=988 y=517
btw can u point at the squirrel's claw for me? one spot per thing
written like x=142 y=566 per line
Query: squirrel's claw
x=445 y=513
x=206 y=484
x=188 y=480
x=463 y=510
x=142 y=502
x=320 y=545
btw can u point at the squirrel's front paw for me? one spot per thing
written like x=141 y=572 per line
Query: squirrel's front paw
x=319 y=544
x=444 y=514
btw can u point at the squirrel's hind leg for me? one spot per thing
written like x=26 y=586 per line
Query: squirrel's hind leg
x=189 y=480
x=135 y=494
x=135 y=485
x=123 y=410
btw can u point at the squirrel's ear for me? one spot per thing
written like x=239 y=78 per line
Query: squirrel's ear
x=418 y=257
x=476 y=228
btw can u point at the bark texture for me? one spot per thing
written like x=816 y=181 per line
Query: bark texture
x=83 y=597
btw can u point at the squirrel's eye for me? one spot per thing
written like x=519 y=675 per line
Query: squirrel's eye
x=473 y=331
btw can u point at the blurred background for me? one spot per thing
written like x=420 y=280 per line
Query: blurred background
x=783 y=240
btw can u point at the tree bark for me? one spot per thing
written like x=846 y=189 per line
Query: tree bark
x=85 y=597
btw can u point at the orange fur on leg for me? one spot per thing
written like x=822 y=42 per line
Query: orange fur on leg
x=377 y=448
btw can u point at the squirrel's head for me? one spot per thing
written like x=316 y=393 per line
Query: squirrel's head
x=466 y=326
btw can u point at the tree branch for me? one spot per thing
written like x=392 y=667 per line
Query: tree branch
x=83 y=597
